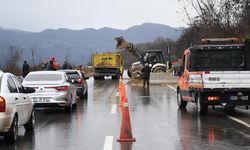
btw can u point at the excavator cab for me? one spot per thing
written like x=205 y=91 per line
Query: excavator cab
x=153 y=57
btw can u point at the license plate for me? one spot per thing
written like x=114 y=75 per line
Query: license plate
x=41 y=99
x=244 y=98
x=234 y=98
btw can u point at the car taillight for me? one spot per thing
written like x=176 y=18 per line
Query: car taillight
x=79 y=81
x=61 y=88
x=2 y=104
x=213 y=98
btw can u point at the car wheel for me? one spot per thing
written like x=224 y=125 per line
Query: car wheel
x=201 y=105
x=114 y=78
x=11 y=136
x=82 y=94
x=69 y=108
x=29 y=126
x=181 y=103
x=86 y=94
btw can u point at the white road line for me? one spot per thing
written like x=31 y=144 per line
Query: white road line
x=172 y=88
x=239 y=121
x=113 y=109
x=108 y=145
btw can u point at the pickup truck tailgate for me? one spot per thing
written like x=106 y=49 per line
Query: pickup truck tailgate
x=226 y=79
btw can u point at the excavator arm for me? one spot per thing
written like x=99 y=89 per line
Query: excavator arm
x=123 y=44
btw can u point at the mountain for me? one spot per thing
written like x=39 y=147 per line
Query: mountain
x=78 y=45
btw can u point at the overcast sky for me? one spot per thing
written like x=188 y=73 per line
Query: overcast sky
x=37 y=15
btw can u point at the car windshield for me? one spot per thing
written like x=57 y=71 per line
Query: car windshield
x=223 y=60
x=73 y=75
x=43 y=77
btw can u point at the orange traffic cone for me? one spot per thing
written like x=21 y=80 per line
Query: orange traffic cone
x=120 y=84
x=126 y=131
x=122 y=94
x=121 y=99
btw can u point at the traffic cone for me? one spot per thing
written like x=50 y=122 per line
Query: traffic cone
x=120 y=84
x=126 y=131
x=121 y=100
x=122 y=94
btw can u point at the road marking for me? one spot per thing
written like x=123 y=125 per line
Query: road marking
x=239 y=121
x=172 y=88
x=113 y=109
x=108 y=145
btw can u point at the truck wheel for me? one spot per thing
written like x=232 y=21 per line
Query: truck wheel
x=159 y=70
x=181 y=103
x=201 y=105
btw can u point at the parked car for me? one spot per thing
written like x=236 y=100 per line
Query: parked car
x=53 y=89
x=16 y=107
x=79 y=80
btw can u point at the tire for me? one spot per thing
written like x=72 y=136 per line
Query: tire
x=136 y=74
x=202 y=107
x=69 y=108
x=129 y=74
x=82 y=94
x=114 y=77
x=86 y=94
x=29 y=126
x=159 y=70
x=229 y=109
x=11 y=136
x=181 y=103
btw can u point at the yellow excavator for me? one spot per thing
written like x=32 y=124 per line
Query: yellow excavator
x=153 y=57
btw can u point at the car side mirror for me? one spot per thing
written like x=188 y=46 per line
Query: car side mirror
x=29 y=90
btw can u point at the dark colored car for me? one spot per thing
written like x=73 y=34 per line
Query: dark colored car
x=79 y=81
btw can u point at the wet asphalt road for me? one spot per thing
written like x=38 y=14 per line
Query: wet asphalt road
x=157 y=123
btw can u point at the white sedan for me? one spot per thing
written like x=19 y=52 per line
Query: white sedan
x=53 y=89
x=16 y=107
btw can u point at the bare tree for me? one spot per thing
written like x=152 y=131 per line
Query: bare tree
x=213 y=18
x=12 y=60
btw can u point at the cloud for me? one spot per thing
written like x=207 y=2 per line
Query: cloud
x=36 y=15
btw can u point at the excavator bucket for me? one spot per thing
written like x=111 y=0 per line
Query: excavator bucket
x=121 y=43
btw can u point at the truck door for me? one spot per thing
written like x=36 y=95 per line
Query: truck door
x=183 y=77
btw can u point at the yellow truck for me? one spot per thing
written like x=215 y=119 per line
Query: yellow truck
x=107 y=64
